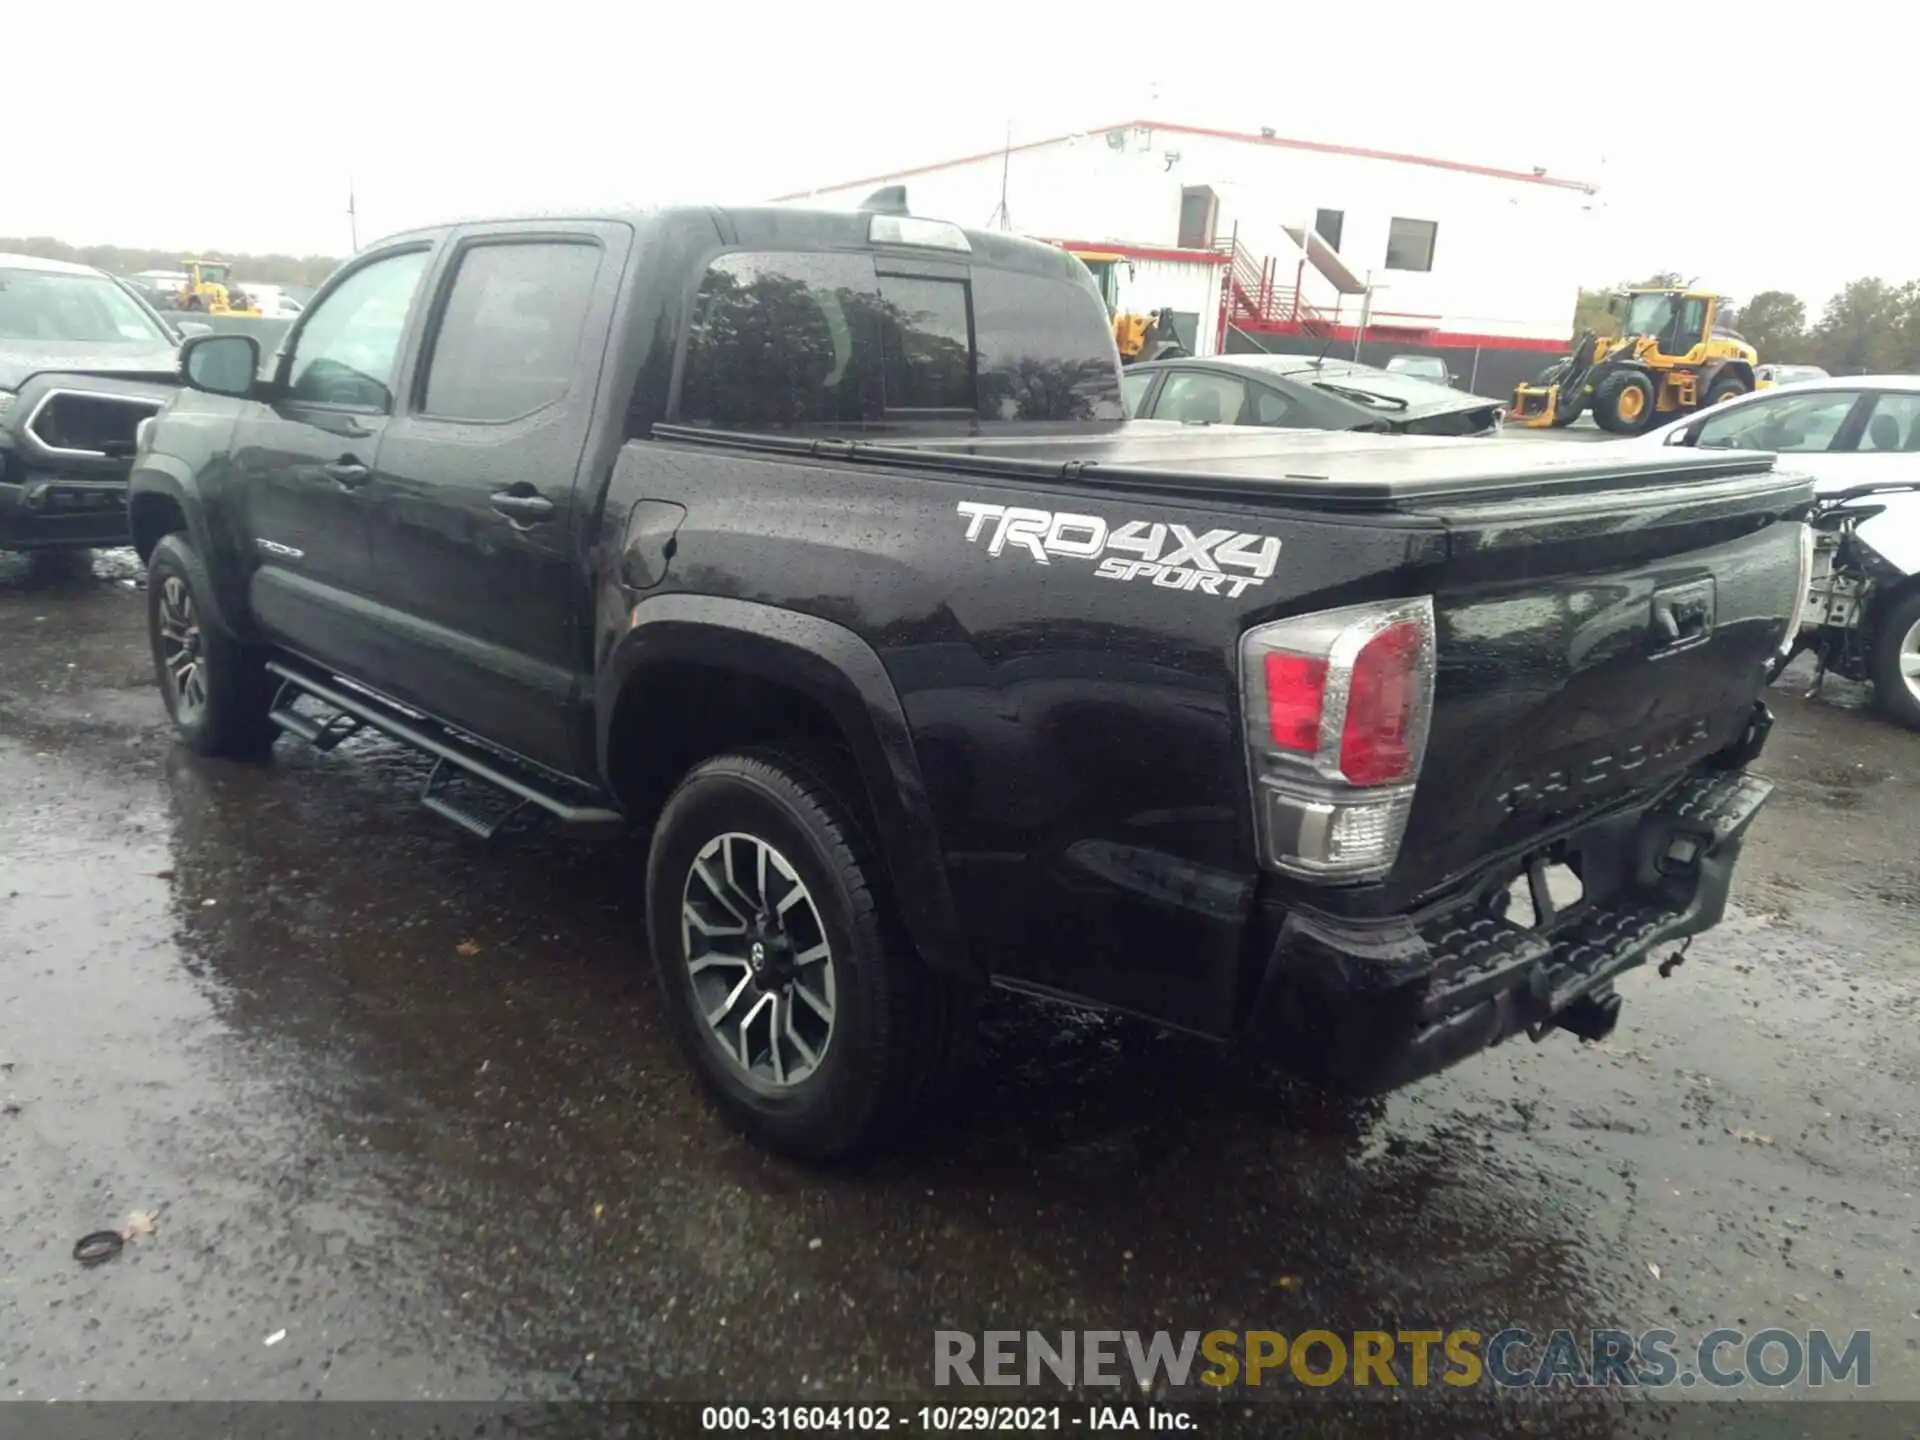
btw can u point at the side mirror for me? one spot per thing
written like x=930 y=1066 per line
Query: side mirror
x=194 y=327
x=1613 y=304
x=221 y=364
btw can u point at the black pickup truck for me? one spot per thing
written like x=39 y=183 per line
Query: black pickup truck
x=817 y=545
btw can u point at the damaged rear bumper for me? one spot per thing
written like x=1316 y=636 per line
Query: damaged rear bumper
x=1372 y=1006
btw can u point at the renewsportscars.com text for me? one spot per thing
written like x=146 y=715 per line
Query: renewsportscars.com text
x=1510 y=1359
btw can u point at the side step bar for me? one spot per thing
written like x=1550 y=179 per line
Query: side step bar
x=454 y=757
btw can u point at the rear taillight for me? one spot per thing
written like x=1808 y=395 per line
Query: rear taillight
x=1803 y=584
x=1337 y=705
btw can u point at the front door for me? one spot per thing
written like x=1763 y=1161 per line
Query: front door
x=303 y=461
x=480 y=554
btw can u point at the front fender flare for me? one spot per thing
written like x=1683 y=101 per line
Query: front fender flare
x=171 y=479
x=839 y=671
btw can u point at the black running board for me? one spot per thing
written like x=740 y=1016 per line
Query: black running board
x=515 y=787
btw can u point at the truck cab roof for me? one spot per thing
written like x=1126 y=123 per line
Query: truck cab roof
x=785 y=227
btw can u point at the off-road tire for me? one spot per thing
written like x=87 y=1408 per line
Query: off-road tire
x=232 y=719
x=1727 y=387
x=1891 y=695
x=901 y=1030
x=1606 y=403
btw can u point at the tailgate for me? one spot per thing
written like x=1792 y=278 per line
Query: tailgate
x=1593 y=646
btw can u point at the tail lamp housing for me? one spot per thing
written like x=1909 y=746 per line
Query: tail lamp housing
x=1337 y=705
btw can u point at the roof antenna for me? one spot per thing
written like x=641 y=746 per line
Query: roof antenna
x=353 y=219
x=1001 y=219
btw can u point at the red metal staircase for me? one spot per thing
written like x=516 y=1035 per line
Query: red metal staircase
x=1253 y=299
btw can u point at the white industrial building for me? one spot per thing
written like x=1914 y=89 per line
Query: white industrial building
x=1258 y=241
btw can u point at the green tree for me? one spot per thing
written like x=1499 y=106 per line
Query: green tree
x=1868 y=328
x=1775 y=324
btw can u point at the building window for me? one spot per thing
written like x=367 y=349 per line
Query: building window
x=1199 y=208
x=1327 y=224
x=1410 y=244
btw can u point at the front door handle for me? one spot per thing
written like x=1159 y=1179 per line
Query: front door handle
x=347 y=471
x=523 y=509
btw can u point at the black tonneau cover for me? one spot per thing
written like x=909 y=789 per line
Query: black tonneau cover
x=1335 y=470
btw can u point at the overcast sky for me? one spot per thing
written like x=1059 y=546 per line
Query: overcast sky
x=1744 y=153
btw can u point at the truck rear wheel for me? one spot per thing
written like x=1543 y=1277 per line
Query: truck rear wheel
x=1896 y=661
x=1623 y=404
x=1727 y=387
x=217 y=690
x=788 y=980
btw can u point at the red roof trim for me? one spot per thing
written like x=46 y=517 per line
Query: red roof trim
x=1145 y=252
x=1320 y=147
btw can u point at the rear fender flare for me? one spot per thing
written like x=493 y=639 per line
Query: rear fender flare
x=833 y=667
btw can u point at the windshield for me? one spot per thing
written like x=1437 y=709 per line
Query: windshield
x=78 y=309
x=1647 y=314
x=1428 y=367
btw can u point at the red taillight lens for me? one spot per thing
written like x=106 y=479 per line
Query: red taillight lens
x=1376 y=742
x=1296 y=684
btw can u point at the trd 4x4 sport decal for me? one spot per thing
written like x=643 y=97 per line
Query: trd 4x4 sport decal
x=1219 y=562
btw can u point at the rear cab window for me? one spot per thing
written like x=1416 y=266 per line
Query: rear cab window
x=783 y=339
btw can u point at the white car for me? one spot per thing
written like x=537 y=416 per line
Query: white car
x=1861 y=614
x=1765 y=375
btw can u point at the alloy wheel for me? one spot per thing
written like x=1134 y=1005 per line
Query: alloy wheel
x=1910 y=659
x=759 y=958
x=180 y=652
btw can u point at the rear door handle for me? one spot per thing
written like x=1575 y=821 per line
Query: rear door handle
x=523 y=509
x=347 y=471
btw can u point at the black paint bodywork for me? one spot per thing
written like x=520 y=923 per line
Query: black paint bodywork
x=1053 y=761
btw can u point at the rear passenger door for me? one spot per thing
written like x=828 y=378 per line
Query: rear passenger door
x=479 y=531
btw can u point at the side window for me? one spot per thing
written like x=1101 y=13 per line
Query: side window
x=350 y=347
x=1789 y=424
x=1133 y=390
x=1270 y=407
x=1894 y=423
x=510 y=332
x=1197 y=398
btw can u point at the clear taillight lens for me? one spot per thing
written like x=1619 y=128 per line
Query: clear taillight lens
x=1337 y=706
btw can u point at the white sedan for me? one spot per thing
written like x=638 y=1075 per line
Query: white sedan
x=1845 y=432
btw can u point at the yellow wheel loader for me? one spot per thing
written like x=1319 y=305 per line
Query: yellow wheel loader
x=1670 y=357
x=209 y=290
x=1136 y=336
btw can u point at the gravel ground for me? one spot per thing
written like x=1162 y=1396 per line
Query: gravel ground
x=410 y=1101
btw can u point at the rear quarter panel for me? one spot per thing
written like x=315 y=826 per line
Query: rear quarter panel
x=1078 y=735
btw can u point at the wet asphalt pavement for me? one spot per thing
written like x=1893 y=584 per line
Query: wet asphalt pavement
x=410 y=1100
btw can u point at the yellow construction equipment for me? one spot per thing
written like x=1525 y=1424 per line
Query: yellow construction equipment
x=1671 y=356
x=209 y=289
x=1149 y=336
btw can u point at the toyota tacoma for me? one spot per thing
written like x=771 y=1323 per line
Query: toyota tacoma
x=816 y=545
